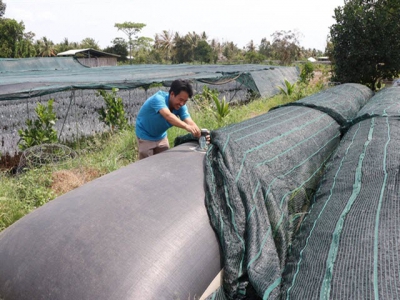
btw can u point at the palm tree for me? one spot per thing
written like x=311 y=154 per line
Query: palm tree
x=165 y=42
x=192 y=38
x=45 y=47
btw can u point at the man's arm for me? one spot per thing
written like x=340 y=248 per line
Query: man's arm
x=187 y=124
x=190 y=122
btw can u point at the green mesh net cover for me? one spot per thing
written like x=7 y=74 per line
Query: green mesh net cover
x=30 y=77
x=261 y=175
x=348 y=246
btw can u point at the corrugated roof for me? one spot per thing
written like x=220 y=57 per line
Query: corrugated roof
x=89 y=51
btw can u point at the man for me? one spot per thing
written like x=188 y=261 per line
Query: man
x=160 y=112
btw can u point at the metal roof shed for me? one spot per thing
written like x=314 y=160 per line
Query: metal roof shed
x=91 y=57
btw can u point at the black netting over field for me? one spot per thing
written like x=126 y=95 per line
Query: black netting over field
x=385 y=103
x=261 y=175
x=27 y=78
x=77 y=114
x=348 y=246
x=342 y=102
x=73 y=87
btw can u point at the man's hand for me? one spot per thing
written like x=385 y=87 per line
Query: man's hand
x=193 y=129
x=208 y=139
x=186 y=124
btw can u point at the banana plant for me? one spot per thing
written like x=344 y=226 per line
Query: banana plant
x=222 y=108
x=288 y=91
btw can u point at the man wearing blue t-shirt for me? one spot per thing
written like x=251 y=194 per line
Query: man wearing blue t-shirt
x=160 y=112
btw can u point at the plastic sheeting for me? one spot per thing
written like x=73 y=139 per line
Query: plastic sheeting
x=340 y=103
x=348 y=246
x=141 y=232
x=31 y=77
x=261 y=175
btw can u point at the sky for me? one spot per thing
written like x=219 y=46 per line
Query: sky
x=237 y=21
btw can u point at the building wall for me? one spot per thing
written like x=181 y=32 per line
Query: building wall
x=98 y=61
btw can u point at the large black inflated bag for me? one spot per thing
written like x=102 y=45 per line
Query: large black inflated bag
x=141 y=232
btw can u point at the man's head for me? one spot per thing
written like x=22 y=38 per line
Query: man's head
x=179 y=93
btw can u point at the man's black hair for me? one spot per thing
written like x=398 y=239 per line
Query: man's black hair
x=180 y=85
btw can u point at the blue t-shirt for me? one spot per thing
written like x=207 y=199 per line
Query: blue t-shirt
x=150 y=124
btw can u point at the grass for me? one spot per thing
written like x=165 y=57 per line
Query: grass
x=99 y=155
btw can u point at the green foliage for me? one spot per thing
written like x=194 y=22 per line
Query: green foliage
x=183 y=50
x=254 y=57
x=307 y=72
x=203 y=52
x=3 y=7
x=89 y=43
x=222 y=108
x=365 y=41
x=265 y=48
x=113 y=114
x=203 y=101
x=41 y=130
x=208 y=102
x=119 y=47
x=231 y=52
x=38 y=196
x=288 y=89
x=131 y=29
x=19 y=195
x=12 y=33
x=285 y=46
x=45 y=47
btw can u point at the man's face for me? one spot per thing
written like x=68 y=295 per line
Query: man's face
x=177 y=101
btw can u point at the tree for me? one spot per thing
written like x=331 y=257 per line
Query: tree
x=254 y=57
x=203 y=52
x=89 y=43
x=192 y=39
x=131 y=29
x=251 y=47
x=365 y=41
x=165 y=43
x=25 y=47
x=230 y=51
x=45 y=47
x=285 y=46
x=182 y=50
x=265 y=48
x=3 y=7
x=12 y=33
x=143 y=46
x=66 y=45
x=216 y=51
x=119 y=47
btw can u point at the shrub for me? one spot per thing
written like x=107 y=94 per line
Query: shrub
x=113 y=114
x=307 y=72
x=208 y=101
x=41 y=130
